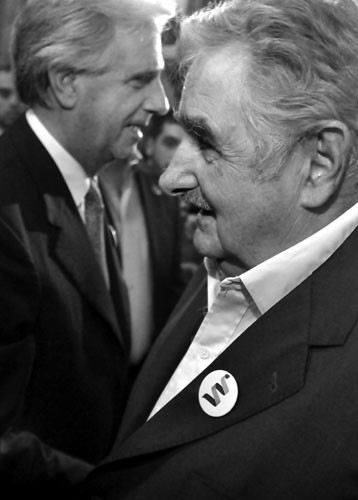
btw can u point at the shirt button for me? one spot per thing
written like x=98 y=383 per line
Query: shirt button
x=204 y=353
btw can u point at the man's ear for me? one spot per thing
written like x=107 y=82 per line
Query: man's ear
x=329 y=158
x=63 y=86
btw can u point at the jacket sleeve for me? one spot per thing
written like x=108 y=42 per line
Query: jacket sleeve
x=25 y=461
x=28 y=463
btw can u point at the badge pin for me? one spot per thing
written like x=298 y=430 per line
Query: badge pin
x=218 y=393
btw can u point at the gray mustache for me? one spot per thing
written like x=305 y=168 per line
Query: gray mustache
x=196 y=198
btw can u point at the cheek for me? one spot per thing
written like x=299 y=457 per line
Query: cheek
x=168 y=154
x=160 y=152
x=236 y=214
x=117 y=109
x=131 y=102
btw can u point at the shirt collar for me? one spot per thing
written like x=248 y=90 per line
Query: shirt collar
x=72 y=172
x=273 y=279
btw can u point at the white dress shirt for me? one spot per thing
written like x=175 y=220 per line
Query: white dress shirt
x=128 y=217
x=136 y=268
x=236 y=302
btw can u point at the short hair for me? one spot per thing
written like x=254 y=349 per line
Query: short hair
x=72 y=35
x=302 y=64
x=157 y=123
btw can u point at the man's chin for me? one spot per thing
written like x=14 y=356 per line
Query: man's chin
x=126 y=151
x=207 y=245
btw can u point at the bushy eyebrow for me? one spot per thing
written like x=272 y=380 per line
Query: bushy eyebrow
x=197 y=128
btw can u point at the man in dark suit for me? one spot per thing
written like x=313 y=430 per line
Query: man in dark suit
x=250 y=391
x=10 y=106
x=88 y=71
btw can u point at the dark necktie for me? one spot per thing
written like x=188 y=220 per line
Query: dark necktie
x=94 y=217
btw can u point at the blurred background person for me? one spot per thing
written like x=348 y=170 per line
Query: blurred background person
x=10 y=104
x=161 y=139
x=147 y=230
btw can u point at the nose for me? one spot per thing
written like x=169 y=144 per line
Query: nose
x=157 y=101
x=13 y=101
x=179 y=177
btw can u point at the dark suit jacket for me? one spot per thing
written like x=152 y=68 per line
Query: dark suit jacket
x=164 y=230
x=62 y=354
x=293 y=433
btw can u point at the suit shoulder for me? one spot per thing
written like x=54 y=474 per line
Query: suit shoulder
x=8 y=154
x=13 y=175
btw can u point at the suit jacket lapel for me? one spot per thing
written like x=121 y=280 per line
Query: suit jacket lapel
x=70 y=244
x=72 y=249
x=268 y=360
x=268 y=363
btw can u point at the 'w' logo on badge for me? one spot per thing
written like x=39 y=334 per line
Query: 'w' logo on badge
x=218 y=393
x=216 y=388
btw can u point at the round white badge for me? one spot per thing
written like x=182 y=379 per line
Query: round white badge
x=218 y=393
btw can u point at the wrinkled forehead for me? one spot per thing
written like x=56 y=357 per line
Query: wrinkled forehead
x=215 y=77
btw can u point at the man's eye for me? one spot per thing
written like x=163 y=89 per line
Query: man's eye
x=138 y=84
x=208 y=151
x=203 y=145
x=171 y=142
x=141 y=81
x=5 y=93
